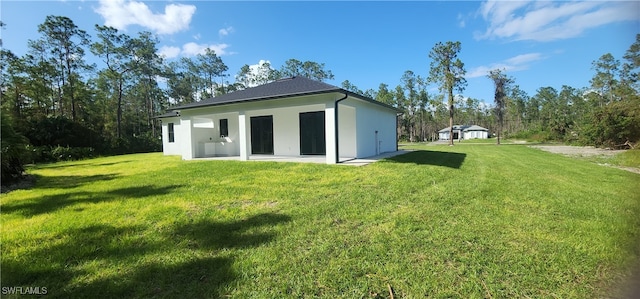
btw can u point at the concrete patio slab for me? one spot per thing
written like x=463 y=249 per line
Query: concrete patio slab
x=312 y=159
x=365 y=161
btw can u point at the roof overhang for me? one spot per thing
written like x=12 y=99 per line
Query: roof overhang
x=280 y=89
x=174 y=111
x=170 y=113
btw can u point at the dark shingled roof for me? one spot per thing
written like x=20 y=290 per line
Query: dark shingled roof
x=283 y=88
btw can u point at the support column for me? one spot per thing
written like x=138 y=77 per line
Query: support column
x=330 y=131
x=186 y=140
x=245 y=142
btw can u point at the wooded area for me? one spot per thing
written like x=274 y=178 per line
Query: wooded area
x=604 y=114
x=57 y=106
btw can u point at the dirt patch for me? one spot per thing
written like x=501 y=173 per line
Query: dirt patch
x=581 y=151
x=632 y=169
x=585 y=151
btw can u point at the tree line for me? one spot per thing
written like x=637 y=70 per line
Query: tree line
x=606 y=113
x=52 y=94
x=56 y=105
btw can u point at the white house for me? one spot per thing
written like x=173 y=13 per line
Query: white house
x=464 y=132
x=289 y=117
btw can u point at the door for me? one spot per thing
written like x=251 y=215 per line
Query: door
x=312 y=133
x=262 y=135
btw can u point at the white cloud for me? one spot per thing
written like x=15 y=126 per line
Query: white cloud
x=122 y=13
x=513 y=64
x=192 y=49
x=260 y=65
x=169 y=52
x=226 y=31
x=523 y=59
x=258 y=74
x=461 y=21
x=547 y=21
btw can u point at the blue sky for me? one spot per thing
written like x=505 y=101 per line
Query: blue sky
x=538 y=43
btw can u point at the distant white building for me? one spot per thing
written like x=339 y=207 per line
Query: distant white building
x=464 y=132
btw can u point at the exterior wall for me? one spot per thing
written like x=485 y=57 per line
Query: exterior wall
x=445 y=135
x=171 y=148
x=347 y=131
x=286 y=127
x=369 y=119
x=206 y=136
x=476 y=135
x=199 y=136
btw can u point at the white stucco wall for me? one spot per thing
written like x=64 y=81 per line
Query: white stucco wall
x=286 y=131
x=171 y=148
x=347 y=130
x=224 y=148
x=286 y=127
x=369 y=119
x=445 y=135
x=206 y=135
x=476 y=135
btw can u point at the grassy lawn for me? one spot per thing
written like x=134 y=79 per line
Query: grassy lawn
x=484 y=141
x=469 y=221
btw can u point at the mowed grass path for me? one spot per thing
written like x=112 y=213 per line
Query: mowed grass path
x=468 y=221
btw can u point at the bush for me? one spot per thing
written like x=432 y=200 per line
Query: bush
x=146 y=143
x=614 y=124
x=62 y=153
x=59 y=130
x=532 y=135
x=13 y=152
x=45 y=154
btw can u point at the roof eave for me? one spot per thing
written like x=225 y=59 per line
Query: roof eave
x=202 y=105
x=338 y=90
x=171 y=114
x=370 y=100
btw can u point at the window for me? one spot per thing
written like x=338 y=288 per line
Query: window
x=224 y=127
x=171 y=133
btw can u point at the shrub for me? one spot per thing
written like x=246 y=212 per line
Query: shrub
x=59 y=130
x=147 y=143
x=13 y=152
x=613 y=125
x=45 y=154
x=65 y=153
x=532 y=135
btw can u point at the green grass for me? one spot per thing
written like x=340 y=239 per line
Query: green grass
x=467 y=221
x=483 y=141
